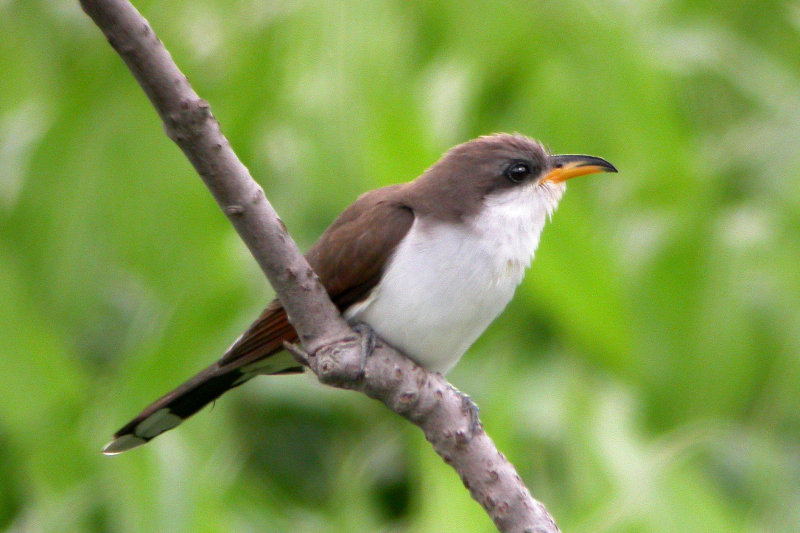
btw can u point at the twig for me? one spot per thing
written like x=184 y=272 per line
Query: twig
x=331 y=349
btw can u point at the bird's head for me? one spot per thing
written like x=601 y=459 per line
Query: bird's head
x=503 y=169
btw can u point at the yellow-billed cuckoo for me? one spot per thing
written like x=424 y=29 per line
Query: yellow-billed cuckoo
x=426 y=264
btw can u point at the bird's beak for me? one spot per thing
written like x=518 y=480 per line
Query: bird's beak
x=564 y=167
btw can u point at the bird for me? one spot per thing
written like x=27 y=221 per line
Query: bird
x=427 y=265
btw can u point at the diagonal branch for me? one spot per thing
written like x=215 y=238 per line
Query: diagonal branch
x=332 y=349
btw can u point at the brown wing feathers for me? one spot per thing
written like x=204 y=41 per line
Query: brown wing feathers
x=349 y=259
x=264 y=337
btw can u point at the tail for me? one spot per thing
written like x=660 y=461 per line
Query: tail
x=258 y=351
x=175 y=407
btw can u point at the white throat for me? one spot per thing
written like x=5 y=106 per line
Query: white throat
x=446 y=282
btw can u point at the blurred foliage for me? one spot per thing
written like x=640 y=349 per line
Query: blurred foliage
x=645 y=378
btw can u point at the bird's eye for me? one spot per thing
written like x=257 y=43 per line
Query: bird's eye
x=516 y=172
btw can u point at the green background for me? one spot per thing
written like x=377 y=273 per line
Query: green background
x=645 y=377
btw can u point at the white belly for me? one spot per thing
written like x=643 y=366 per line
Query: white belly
x=447 y=282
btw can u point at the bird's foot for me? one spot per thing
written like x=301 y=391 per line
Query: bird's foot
x=471 y=409
x=368 y=340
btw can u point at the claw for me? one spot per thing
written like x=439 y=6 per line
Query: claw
x=368 y=340
x=471 y=408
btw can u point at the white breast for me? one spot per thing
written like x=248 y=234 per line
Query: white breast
x=446 y=282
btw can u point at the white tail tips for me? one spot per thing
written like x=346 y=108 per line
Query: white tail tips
x=123 y=444
x=152 y=426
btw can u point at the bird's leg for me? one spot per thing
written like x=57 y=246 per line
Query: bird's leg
x=472 y=410
x=368 y=340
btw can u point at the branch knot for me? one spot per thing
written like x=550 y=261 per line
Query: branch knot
x=339 y=363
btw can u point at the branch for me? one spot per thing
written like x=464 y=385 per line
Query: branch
x=332 y=350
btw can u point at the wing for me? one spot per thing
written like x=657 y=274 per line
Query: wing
x=350 y=256
x=349 y=259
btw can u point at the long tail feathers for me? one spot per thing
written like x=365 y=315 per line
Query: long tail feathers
x=175 y=407
x=258 y=351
